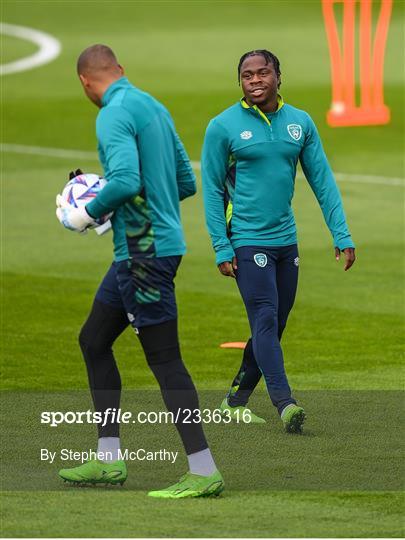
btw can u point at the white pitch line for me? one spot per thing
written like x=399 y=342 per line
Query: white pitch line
x=65 y=153
x=49 y=48
x=370 y=179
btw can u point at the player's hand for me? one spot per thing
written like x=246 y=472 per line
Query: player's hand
x=350 y=257
x=75 y=173
x=74 y=219
x=228 y=268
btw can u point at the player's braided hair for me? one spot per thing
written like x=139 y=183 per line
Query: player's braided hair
x=267 y=55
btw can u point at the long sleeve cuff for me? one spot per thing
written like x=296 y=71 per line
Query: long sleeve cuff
x=343 y=243
x=224 y=255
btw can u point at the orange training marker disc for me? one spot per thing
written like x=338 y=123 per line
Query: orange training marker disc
x=233 y=345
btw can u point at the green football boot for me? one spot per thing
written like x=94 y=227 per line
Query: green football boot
x=240 y=414
x=233 y=390
x=293 y=418
x=96 y=472
x=192 y=485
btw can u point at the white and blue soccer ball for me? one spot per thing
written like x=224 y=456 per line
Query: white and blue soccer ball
x=82 y=189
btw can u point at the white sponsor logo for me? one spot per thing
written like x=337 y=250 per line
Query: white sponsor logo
x=246 y=135
x=131 y=318
x=297 y=261
x=295 y=131
x=260 y=259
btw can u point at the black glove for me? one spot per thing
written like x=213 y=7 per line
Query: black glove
x=75 y=173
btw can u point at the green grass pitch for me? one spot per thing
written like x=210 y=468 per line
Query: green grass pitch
x=343 y=342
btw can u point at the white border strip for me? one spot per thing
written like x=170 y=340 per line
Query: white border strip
x=65 y=153
x=49 y=48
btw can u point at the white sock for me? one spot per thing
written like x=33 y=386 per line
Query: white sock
x=202 y=463
x=108 y=448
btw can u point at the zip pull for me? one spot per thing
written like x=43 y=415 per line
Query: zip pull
x=261 y=113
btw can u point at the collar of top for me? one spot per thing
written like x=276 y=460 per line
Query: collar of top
x=117 y=85
x=245 y=105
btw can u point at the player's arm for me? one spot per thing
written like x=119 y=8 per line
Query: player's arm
x=184 y=173
x=320 y=177
x=214 y=162
x=116 y=137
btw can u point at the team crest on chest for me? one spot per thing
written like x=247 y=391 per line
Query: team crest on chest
x=260 y=259
x=246 y=135
x=295 y=131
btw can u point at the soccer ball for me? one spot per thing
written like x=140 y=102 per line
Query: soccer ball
x=82 y=189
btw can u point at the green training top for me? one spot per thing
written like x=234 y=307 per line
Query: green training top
x=147 y=171
x=249 y=163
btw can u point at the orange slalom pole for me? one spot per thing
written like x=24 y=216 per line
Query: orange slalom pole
x=366 y=87
x=349 y=14
x=336 y=60
x=379 y=51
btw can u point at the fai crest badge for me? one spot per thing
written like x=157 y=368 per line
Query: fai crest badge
x=245 y=135
x=295 y=131
x=260 y=259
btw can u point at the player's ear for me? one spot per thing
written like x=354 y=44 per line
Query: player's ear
x=84 y=80
x=121 y=69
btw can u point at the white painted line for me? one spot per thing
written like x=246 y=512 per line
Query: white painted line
x=65 y=153
x=49 y=48
x=370 y=179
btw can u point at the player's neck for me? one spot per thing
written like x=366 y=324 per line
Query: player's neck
x=270 y=106
x=104 y=85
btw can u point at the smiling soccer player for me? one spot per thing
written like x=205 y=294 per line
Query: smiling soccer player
x=249 y=161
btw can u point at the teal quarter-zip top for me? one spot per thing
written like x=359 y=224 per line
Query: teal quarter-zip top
x=147 y=171
x=249 y=163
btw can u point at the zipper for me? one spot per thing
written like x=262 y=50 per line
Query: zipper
x=264 y=117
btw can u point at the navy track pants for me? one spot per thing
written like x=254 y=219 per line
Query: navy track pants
x=267 y=278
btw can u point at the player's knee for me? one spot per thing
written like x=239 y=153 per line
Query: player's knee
x=173 y=375
x=266 y=317
x=91 y=342
x=162 y=351
x=162 y=355
x=83 y=338
x=169 y=369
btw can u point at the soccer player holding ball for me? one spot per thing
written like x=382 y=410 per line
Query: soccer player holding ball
x=249 y=161
x=148 y=173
